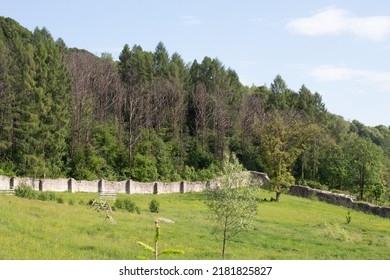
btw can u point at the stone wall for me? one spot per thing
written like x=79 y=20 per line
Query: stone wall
x=4 y=183
x=339 y=199
x=127 y=186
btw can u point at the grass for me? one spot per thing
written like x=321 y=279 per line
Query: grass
x=294 y=228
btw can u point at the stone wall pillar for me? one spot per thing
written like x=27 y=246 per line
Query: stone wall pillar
x=12 y=183
x=155 y=188
x=100 y=186
x=128 y=186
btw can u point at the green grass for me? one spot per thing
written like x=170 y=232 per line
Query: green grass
x=294 y=228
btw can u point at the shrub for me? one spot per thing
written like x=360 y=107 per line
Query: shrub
x=348 y=217
x=25 y=191
x=313 y=184
x=71 y=202
x=51 y=196
x=43 y=196
x=119 y=203
x=154 y=206
x=60 y=200
x=126 y=204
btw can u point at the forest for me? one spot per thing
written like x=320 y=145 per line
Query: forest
x=65 y=112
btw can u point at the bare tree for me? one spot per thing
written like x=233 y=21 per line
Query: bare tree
x=203 y=112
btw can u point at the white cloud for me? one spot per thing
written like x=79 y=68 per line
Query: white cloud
x=334 y=21
x=190 y=20
x=331 y=73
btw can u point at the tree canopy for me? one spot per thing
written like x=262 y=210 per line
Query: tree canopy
x=152 y=116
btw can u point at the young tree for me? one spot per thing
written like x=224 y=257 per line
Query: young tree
x=232 y=203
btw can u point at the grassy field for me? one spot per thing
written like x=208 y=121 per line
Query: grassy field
x=294 y=228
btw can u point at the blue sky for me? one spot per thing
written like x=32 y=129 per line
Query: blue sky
x=337 y=48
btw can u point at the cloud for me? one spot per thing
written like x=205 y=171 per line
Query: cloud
x=332 y=73
x=190 y=20
x=334 y=21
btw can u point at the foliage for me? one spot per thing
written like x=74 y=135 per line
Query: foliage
x=232 y=202
x=283 y=138
x=126 y=204
x=154 y=206
x=155 y=251
x=348 y=218
x=25 y=191
x=152 y=116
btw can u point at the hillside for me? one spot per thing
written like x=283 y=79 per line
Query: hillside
x=152 y=116
x=296 y=228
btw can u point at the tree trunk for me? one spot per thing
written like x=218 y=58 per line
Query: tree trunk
x=224 y=243
x=277 y=197
x=361 y=182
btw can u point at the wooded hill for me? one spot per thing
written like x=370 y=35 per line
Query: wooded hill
x=65 y=112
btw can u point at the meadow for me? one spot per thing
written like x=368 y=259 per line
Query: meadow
x=294 y=228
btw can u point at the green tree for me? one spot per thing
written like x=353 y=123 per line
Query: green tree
x=333 y=166
x=232 y=203
x=365 y=162
x=52 y=103
x=161 y=61
x=283 y=138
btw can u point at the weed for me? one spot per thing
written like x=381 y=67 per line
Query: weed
x=336 y=232
x=155 y=251
x=348 y=217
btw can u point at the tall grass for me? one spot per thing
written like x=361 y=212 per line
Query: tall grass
x=294 y=228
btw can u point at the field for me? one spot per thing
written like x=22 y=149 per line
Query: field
x=294 y=228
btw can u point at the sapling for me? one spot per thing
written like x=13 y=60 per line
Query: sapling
x=348 y=217
x=155 y=251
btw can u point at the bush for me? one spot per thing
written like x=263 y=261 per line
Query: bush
x=60 y=200
x=51 y=196
x=126 y=204
x=71 y=202
x=313 y=184
x=43 y=196
x=154 y=206
x=119 y=203
x=25 y=191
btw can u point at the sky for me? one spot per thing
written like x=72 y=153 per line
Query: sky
x=339 y=49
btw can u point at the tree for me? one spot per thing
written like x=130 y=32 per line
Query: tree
x=232 y=203
x=365 y=163
x=161 y=61
x=282 y=138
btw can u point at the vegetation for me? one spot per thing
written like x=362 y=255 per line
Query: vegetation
x=152 y=116
x=154 y=206
x=296 y=228
x=155 y=251
x=233 y=203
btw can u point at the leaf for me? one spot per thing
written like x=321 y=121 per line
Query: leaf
x=171 y=252
x=146 y=247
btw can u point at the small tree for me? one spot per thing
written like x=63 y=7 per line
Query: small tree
x=155 y=251
x=232 y=202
